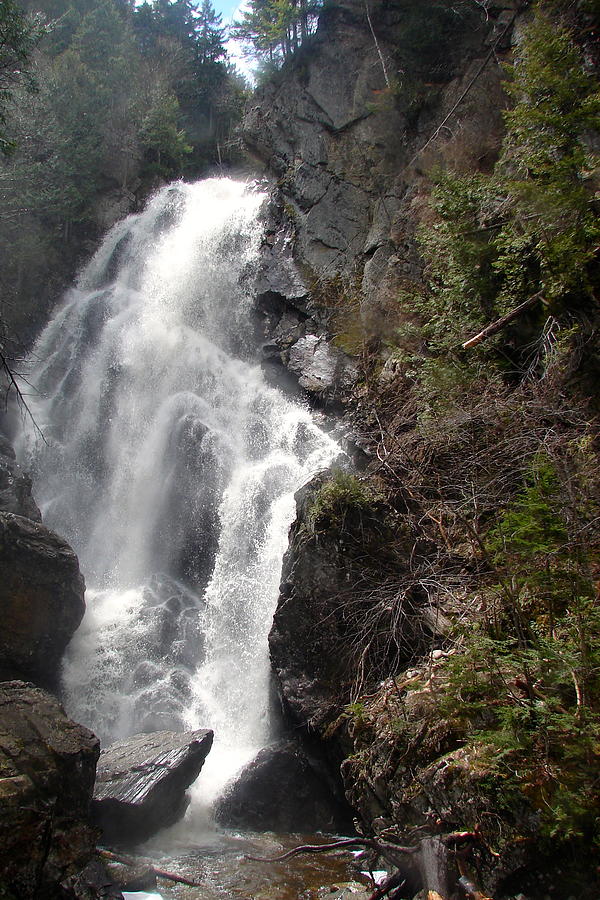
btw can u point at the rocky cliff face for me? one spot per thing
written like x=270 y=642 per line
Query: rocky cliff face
x=47 y=769
x=351 y=129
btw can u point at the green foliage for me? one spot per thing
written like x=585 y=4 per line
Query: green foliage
x=19 y=35
x=527 y=232
x=342 y=495
x=125 y=95
x=356 y=713
x=273 y=30
x=163 y=143
x=527 y=684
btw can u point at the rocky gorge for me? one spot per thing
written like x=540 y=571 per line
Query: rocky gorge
x=411 y=648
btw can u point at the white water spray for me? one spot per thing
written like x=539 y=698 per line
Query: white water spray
x=171 y=467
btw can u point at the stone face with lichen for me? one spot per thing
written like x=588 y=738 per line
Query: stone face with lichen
x=47 y=769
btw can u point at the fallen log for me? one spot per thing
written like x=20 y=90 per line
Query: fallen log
x=499 y=324
x=160 y=873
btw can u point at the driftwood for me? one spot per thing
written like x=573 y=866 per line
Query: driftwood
x=428 y=861
x=160 y=873
x=385 y=850
x=499 y=324
x=397 y=880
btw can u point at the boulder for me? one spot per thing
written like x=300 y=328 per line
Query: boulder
x=334 y=546
x=282 y=790
x=142 y=781
x=321 y=368
x=95 y=882
x=47 y=767
x=41 y=600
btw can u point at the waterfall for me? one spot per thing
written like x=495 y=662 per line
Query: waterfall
x=170 y=465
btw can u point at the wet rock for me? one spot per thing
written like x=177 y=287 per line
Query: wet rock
x=344 y=891
x=129 y=877
x=142 y=781
x=15 y=485
x=95 y=882
x=323 y=370
x=281 y=790
x=47 y=766
x=41 y=600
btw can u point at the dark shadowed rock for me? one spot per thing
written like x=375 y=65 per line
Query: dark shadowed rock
x=142 y=781
x=47 y=766
x=15 y=485
x=281 y=790
x=95 y=882
x=41 y=600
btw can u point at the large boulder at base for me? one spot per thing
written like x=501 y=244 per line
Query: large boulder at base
x=283 y=790
x=41 y=600
x=47 y=767
x=142 y=781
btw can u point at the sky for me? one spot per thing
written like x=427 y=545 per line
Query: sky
x=226 y=7
x=231 y=10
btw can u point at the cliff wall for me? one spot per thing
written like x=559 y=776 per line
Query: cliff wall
x=409 y=614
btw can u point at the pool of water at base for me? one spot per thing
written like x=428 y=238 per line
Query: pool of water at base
x=220 y=867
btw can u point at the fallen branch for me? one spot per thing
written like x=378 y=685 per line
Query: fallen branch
x=387 y=851
x=469 y=889
x=160 y=873
x=397 y=880
x=499 y=324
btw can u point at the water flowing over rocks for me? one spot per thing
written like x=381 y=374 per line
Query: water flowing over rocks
x=141 y=783
x=47 y=767
x=283 y=789
x=41 y=599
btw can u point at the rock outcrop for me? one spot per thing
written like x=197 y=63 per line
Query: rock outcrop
x=349 y=134
x=283 y=790
x=15 y=485
x=342 y=544
x=47 y=767
x=41 y=600
x=142 y=781
x=353 y=125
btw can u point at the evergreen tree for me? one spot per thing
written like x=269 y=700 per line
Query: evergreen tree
x=275 y=29
x=18 y=37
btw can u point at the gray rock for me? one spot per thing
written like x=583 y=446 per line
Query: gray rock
x=41 y=600
x=47 y=766
x=280 y=790
x=322 y=369
x=142 y=781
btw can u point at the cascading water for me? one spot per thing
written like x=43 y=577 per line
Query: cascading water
x=171 y=465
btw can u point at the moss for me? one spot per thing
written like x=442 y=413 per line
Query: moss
x=341 y=496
